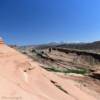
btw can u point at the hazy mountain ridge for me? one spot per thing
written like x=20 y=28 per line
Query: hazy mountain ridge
x=93 y=46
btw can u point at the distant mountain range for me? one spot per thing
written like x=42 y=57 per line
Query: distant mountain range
x=82 y=46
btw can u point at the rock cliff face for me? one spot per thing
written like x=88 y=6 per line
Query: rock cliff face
x=91 y=59
x=24 y=79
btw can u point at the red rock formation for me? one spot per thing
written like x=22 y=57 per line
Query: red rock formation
x=1 y=41
x=23 y=79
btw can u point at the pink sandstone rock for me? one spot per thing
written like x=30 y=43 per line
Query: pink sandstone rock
x=24 y=79
x=1 y=41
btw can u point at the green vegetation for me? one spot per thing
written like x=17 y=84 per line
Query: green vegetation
x=77 y=71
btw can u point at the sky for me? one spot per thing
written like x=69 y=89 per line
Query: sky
x=25 y=22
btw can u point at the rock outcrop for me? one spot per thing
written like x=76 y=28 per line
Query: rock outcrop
x=1 y=41
x=24 y=79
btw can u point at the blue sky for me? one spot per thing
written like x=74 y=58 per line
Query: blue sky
x=42 y=21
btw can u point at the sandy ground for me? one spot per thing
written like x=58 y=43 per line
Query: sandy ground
x=24 y=79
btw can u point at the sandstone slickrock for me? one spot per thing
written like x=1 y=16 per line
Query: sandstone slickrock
x=24 y=79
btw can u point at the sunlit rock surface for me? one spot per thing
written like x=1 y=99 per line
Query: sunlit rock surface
x=24 y=79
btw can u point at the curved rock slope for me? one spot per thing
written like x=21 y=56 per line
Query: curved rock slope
x=24 y=79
